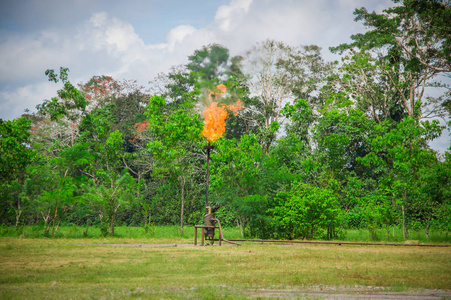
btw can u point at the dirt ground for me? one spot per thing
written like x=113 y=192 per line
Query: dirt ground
x=347 y=292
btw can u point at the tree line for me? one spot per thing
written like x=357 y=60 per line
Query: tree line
x=315 y=148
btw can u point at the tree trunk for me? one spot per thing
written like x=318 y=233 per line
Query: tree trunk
x=59 y=219
x=46 y=222
x=18 y=214
x=405 y=233
x=112 y=225
x=182 y=186
x=342 y=222
x=85 y=233
x=54 y=220
x=403 y=222
x=242 y=226
x=72 y=139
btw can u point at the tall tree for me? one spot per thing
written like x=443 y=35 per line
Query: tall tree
x=399 y=155
x=177 y=86
x=68 y=108
x=15 y=156
x=236 y=181
x=111 y=188
x=270 y=87
x=213 y=61
x=175 y=142
x=411 y=44
x=307 y=72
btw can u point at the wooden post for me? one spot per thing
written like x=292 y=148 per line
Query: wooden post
x=202 y=240
x=195 y=235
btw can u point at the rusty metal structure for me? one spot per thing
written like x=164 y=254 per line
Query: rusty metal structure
x=339 y=243
x=210 y=222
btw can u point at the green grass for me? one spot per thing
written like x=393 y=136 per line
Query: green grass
x=173 y=232
x=363 y=235
x=76 y=232
x=59 y=268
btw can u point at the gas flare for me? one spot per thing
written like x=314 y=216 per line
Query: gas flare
x=235 y=108
x=215 y=116
x=221 y=90
x=214 y=123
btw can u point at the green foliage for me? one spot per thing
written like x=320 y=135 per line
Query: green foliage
x=175 y=144
x=15 y=153
x=212 y=61
x=109 y=196
x=306 y=210
x=343 y=136
x=399 y=156
x=15 y=156
x=235 y=170
x=69 y=99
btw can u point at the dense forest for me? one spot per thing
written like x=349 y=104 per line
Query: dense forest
x=303 y=147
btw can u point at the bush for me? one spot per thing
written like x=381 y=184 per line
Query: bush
x=306 y=211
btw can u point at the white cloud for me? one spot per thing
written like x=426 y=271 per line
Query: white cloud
x=442 y=143
x=228 y=16
x=243 y=23
x=111 y=44
x=177 y=35
x=22 y=58
x=104 y=43
x=15 y=102
x=116 y=35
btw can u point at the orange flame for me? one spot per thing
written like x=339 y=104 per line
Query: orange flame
x=235 y=108
x=214 y=124
x=215 y=116
x=222 y=89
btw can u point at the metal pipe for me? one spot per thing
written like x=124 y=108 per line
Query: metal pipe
x=208 y=180
x=208 y=148
x=221 y=236
x=338 y=243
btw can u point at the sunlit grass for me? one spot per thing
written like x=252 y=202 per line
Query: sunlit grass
x=53 y=268
x=396 y=236
x=77 y=232
x=173 y=233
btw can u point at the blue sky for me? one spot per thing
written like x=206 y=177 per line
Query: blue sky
x=137 y=39
x=150 y=19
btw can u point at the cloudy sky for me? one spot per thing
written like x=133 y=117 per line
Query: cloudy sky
x=137 y=39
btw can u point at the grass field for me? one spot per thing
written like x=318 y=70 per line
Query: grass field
x=173 y=232
x=42 y=268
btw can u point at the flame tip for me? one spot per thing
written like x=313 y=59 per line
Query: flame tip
x=215 y=116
